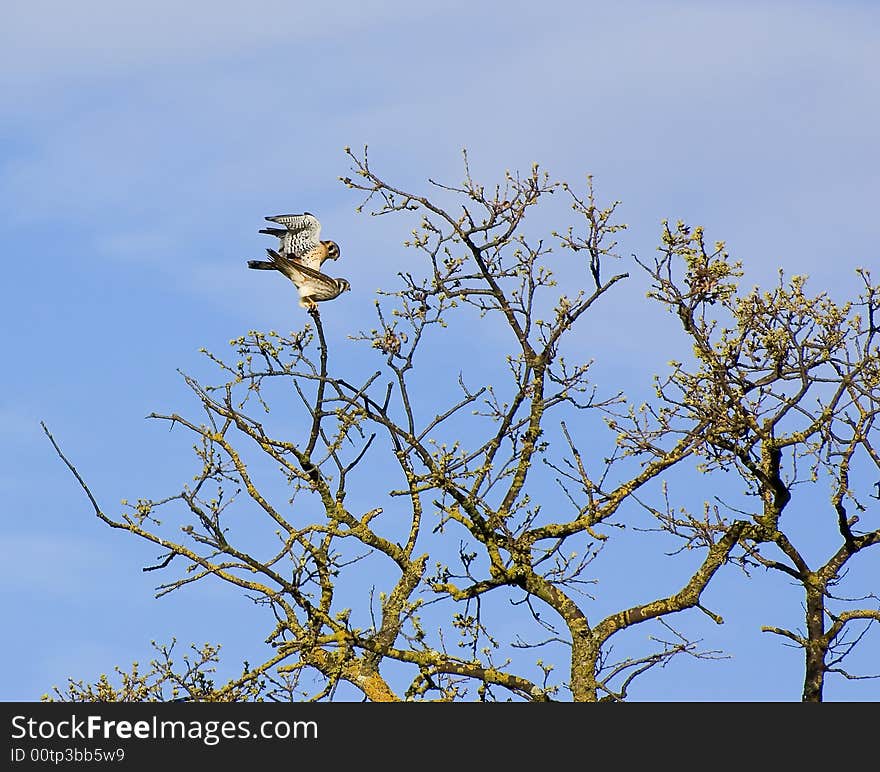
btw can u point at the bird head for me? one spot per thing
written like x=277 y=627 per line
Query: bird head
x=344 y=286
x=332 y=250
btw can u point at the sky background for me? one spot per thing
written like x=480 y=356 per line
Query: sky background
x=142 y=144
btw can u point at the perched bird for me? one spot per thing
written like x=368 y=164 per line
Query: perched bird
x=299 y=239
x=314 y=286
x=299 y=257
x=703 y=285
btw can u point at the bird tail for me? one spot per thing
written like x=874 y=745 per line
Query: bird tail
x=261 y=265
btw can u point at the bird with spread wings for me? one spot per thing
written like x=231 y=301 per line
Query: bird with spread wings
x=299 y=257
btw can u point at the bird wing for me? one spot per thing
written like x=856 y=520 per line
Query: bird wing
x=307 y=272
x=276 y=232
x=285 y=239
x=302 y=235
x=313 y=286
x=297 y=271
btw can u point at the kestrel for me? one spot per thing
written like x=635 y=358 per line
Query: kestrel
x=703 y=285
x=314 y=286
x=299 y=239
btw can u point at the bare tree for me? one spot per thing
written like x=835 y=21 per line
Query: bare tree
x=418 y=550
x=790 y=384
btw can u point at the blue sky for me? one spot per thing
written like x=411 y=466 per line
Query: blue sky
x=141 y=147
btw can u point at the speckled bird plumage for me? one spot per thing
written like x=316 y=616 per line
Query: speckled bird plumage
x=299 y=239
x=299 y=257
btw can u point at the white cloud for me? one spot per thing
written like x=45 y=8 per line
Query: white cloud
x=750 y=118
x=45 y=37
